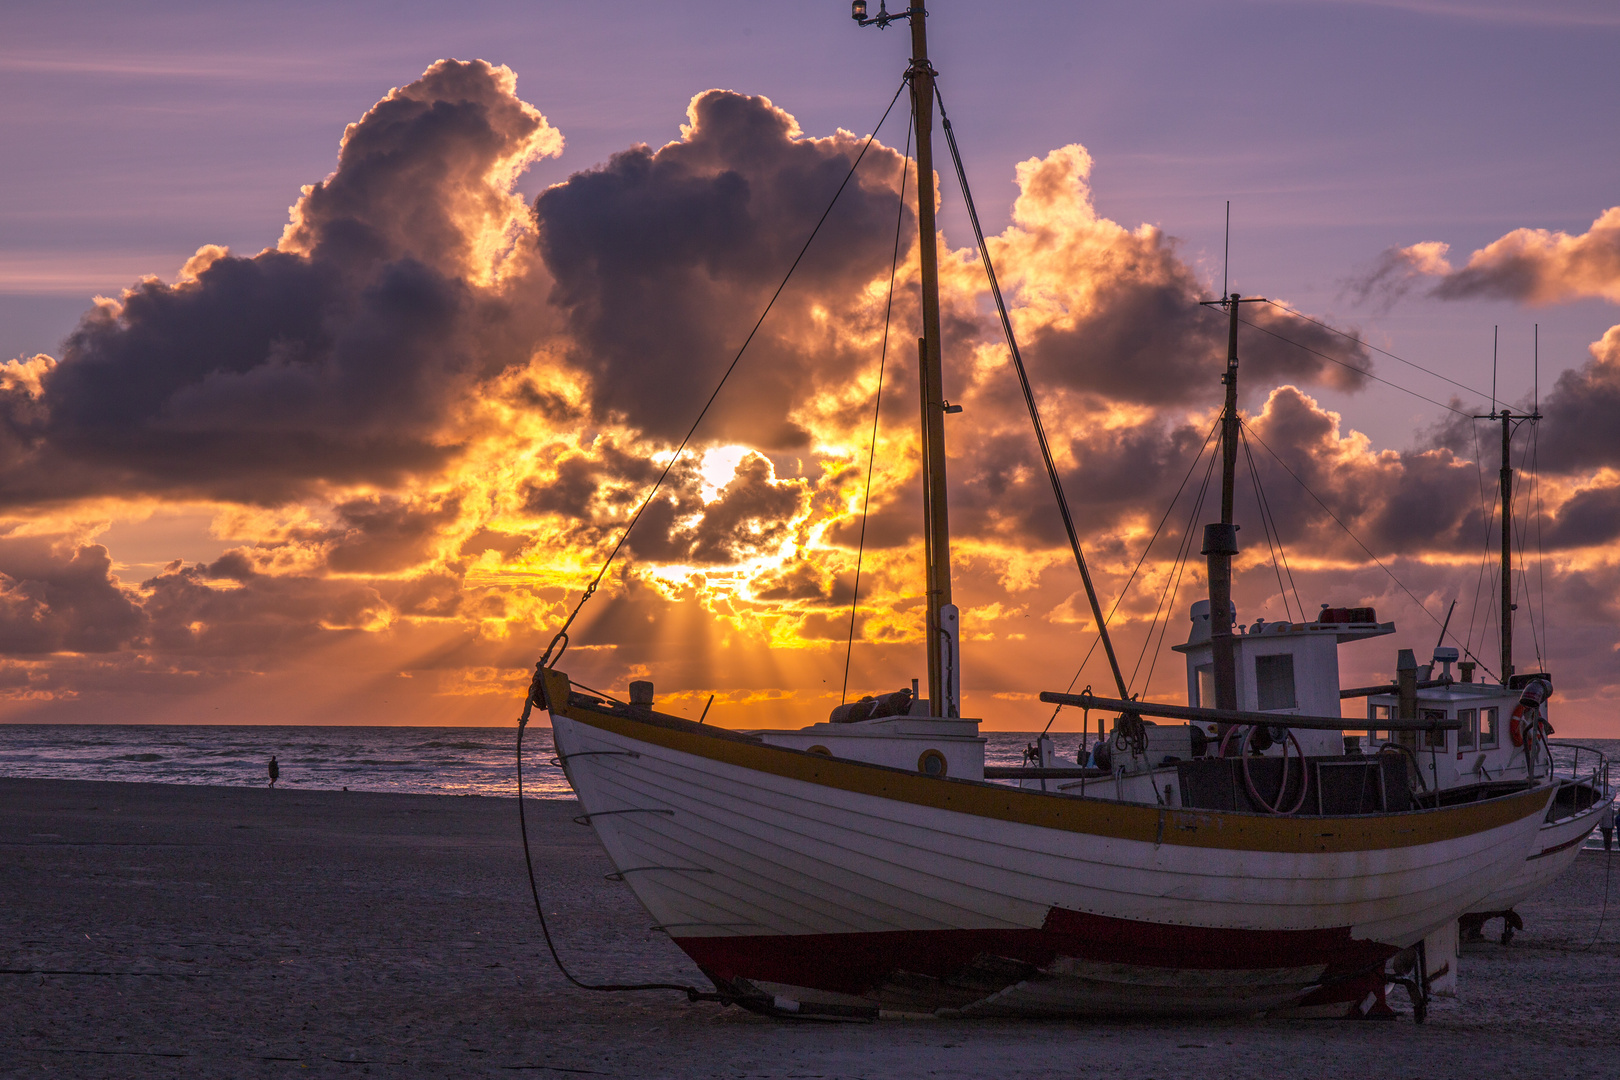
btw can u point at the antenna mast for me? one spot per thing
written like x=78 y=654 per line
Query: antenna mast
x=1506 y=418
x=1220 y=540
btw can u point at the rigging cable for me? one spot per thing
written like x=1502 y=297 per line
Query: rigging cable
x=1374 y=348
x=1489 y=517
x=877 y=409
x=590 y=590
x=1351 y=367
x=692 y=992
x=1140 y=560
x=1183 y=550
x=1521 y=528
x=1174 y=586
x=1029 y=396
x=1265 y=508
x=1376 y=560
x=1266 y=526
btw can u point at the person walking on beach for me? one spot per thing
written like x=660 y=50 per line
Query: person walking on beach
x=1606 y=826
x=275 y=771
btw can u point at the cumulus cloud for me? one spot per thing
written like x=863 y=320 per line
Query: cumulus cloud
x=341 y=356
x=423 y=418
x=1398 y=270
x=663 y=259
x=1579 y=432
x=1535 y=266
x=1114 y=313
x=58 y=597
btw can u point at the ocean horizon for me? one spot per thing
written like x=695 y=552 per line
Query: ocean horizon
x=414 y=760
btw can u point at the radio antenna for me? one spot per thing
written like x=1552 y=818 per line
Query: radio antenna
x=1226 y=253
x=1495 y=333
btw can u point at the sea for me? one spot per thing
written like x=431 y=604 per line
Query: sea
x=418 y=760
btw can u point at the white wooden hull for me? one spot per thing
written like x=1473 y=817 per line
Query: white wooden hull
x=1557 y=843
x=836 y=882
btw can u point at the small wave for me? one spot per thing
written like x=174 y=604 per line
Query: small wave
x=454 y=746
x=140 y=757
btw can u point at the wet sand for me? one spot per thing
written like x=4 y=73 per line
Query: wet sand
x=192 y=931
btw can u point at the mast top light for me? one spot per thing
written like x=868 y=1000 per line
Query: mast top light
x=857 y=10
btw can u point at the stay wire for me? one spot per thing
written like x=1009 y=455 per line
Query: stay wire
x=1376 y=560
x=1351 y=367
x=877 y=409
x=1382 y=352
x=1029 y=395
x=1522 y=530
x=1168 y=510
x=1266 y=528
x=1174 y=586
x=1265 y=506
x=625 y=535
x=1180 y=556
x=692 y=992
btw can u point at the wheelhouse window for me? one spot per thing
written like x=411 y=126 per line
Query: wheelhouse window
x=1274 y=682
x=1433 y=740
x=1375 y=713
x=1489 y=736
x=1467 y=735
x=1206 y=686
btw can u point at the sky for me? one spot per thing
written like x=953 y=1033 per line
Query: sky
x=341 y=342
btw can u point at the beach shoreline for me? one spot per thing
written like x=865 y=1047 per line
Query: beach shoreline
x=227 y=931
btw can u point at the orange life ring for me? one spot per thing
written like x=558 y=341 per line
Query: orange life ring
x=1516 y=725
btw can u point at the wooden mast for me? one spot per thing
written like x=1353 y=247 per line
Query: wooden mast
x=942 y=640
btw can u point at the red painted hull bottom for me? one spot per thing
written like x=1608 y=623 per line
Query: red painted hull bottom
x=1075 y=965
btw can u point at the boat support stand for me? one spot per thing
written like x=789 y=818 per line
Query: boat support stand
x=1416 y=981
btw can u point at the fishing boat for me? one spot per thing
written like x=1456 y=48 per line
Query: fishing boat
x=872 y=864
x=1502 y=735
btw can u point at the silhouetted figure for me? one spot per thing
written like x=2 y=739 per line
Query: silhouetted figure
x=275 y=771
x=1606 y=824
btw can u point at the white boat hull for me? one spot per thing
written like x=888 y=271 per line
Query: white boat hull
x=824 y=881
x=1557 y=843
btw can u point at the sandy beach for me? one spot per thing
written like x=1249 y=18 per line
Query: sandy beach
x=193 y=931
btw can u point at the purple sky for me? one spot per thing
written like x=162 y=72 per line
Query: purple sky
x=1338 y=130
x=133 y=135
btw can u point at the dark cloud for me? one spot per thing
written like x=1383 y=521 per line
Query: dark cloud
x=1542 y=267
x=1536 y=266
x=383 y=534
x=1580 y=432
x=1396 y=272
x=576 y=488
x=425 y=174
x=663 y=260
x=1151 y=343
x=193 y=612
x=340 y=357
x=806 y=582
x=1114 y=314
x=62 y=598
x=503 y=544
x=752 y=515
x=1586 y=519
